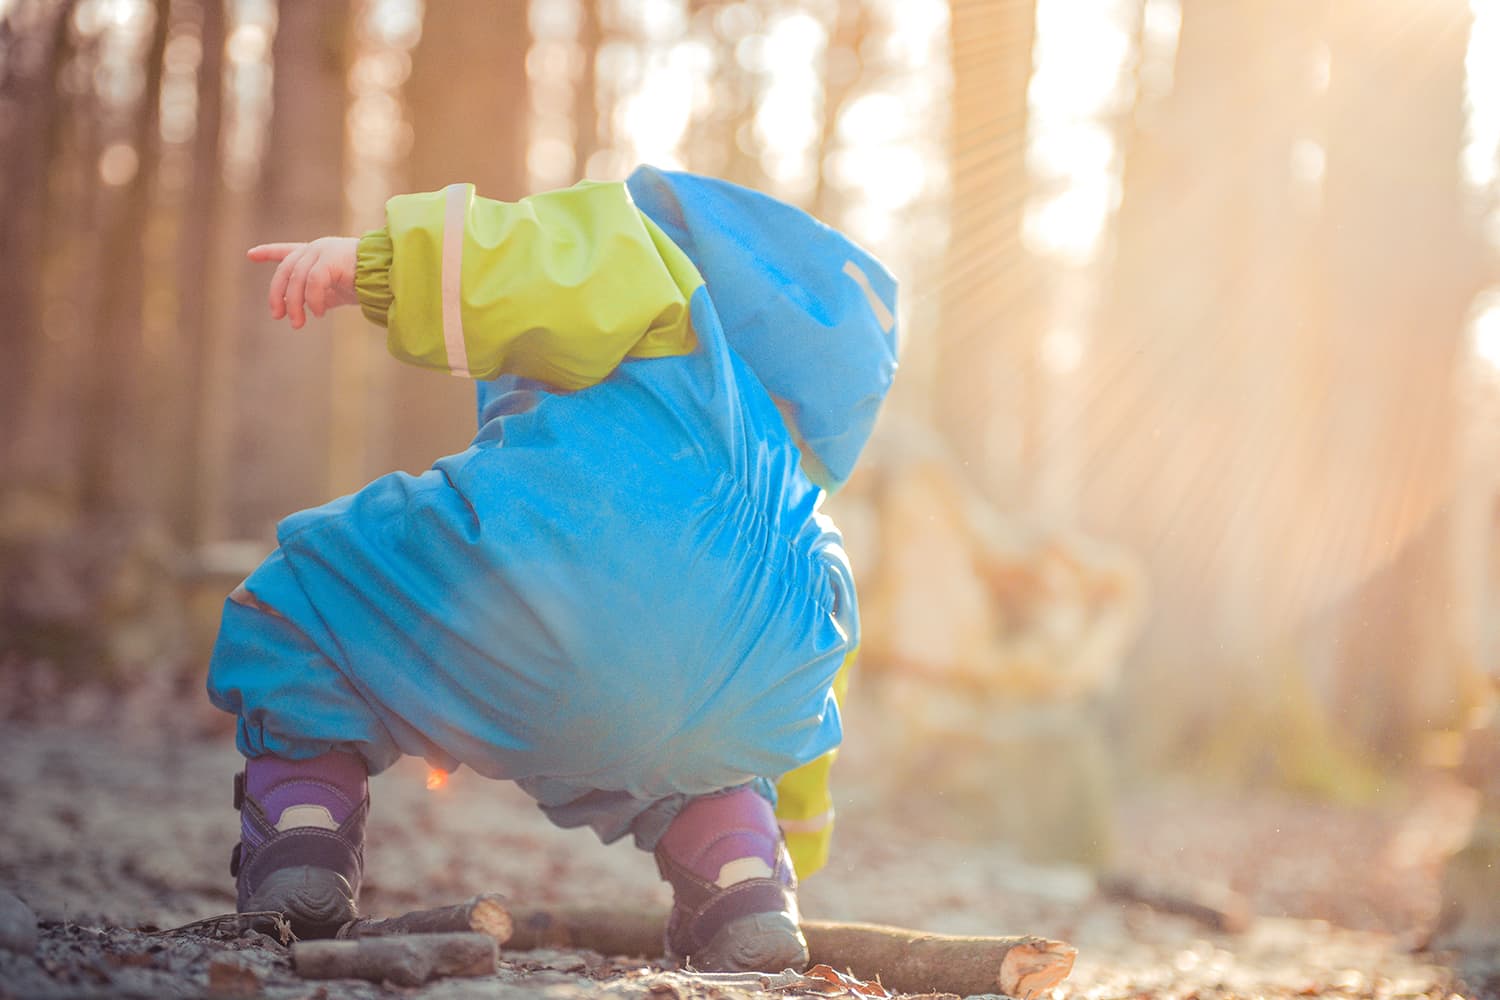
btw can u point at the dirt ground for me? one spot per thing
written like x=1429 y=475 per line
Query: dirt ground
x=115 y=822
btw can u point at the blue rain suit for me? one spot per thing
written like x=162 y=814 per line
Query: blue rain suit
x=622 y=591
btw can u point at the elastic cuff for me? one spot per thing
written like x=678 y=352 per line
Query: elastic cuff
x=372 y=275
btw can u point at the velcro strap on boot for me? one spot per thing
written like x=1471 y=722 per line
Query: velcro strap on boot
x=756 y=895
x=340 y=850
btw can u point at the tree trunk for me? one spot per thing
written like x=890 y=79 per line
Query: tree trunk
x=586 y=90
x=46 y=449
x=29 y=140
x=200 y=328
x=113 y=463
x=1401 y=261
x=467 y=127
x=842 y=79
x=1191 y=386
x=280 y=449
x=989 y=319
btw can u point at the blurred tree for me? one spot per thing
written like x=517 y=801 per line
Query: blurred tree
x=197 y=326
x=1189 y=385
x=46 y=447
x=33 y=48
x=1242 y=430
x=1399 y=281
x=468 y=126
x=989 y=323
x=843 y=78
x=722 y=133
x=113 y=472
x=282 y=413
x=586 y=88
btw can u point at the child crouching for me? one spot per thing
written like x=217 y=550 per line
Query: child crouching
x=622 y=594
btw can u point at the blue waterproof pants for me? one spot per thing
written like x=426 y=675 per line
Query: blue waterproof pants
x=617 y=597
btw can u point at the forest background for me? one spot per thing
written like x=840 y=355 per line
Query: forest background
x=1192 y=464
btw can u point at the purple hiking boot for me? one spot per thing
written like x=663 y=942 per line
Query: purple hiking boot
x=302 y=839
x=734 y=891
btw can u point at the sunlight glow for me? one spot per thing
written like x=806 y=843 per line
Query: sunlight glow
x=1484 y=333
x=375 y=124
x=248 y=84
x=887 y=154
x=1481 y=155
x=788 y=121
x=656 y=115
x=1082 y=77
x=1161 y=22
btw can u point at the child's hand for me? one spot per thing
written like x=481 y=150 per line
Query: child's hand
x=319 y=275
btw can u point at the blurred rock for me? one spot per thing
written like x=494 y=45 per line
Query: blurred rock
x=18 y=930
x=1468 y=920
x=953 y=589
x=994 y=641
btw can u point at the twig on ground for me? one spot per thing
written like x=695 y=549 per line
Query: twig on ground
x=905 y=961
x=486 y=914
x=406 y=960
x=240 y=921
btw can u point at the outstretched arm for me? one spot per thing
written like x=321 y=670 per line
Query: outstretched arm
x=558 y=287
x=315 y=276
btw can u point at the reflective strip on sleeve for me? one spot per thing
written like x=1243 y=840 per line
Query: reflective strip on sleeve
x=882 y=312
x=453 y=271
x=812 y=824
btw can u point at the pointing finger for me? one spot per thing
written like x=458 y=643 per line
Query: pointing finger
x=271 y=251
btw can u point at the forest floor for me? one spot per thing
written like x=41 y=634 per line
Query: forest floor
x=115 y=824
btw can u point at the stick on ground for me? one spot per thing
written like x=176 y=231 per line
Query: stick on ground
x=487 y=914
x=909 y=961
x=904 y=960
x=406 y=960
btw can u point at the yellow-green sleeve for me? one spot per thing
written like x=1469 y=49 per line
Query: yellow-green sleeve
x=558 y=287
x=804 y=803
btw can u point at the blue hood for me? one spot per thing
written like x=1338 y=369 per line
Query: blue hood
x=811 y=313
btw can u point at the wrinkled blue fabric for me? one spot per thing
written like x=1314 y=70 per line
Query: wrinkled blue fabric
x=810 y=312
x=618 y=597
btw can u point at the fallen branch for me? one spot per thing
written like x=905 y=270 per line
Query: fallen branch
x=485 y=914
x=406 y=960
x=914 y=962
x=903 y=960
x=1214 y=906
x=227 y=926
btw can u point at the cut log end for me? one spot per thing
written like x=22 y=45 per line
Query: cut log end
x=1035 y=965
x=487 y=914
x=490 y=916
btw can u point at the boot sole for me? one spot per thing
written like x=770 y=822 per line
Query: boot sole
x=758 y=942
x=315 y=901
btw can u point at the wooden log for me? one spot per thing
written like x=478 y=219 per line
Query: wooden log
x=906 y=961
x=486 y=914
x=1216 y=907
x=406 y=960
x=607 y=930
